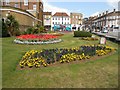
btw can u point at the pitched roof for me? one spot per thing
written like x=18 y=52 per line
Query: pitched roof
x=47 y=13
x=61 y=14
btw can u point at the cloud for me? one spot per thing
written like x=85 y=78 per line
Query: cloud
x=50 y=8
x=95 y=14
x=113 y=3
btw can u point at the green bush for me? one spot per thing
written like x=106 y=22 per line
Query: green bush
x=12 y=25
x=34 y=30
x=29 y=30
x=82 y=34
x=17 y=33
x=3 y=31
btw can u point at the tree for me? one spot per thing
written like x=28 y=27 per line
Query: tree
x=4 y=31
x=12 y=25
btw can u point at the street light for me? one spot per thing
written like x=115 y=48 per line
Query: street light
x=62 y=21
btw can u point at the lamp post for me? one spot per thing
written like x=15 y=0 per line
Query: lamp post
x=62 y=21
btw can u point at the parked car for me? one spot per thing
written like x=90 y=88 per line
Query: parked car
x=105 y=30
x=116 y=29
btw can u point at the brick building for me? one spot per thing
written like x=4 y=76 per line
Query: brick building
x=76 y=18
x=27 y=12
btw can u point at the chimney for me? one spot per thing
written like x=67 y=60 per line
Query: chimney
x=99 y=15
x=106 y=12
x=113 y=10
x=103 y=13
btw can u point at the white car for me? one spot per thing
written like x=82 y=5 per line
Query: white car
x=104 y=30
x=116 y=29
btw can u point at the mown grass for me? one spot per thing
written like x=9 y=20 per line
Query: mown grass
x=98 y=73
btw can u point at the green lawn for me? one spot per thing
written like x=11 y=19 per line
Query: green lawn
x=99 y=73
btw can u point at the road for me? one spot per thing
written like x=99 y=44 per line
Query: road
x=110 y=34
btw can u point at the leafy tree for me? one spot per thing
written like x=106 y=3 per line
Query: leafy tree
x=12 y=25
x=3 y=30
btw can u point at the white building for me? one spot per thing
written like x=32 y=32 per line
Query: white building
x=107 y=19
x=60 y=18
x=47 y=17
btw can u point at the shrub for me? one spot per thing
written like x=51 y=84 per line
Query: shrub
x=34 y=30
x=4 y=31
x=82 y=34
x=17 y=33
x=12 y=25
x=29 y=30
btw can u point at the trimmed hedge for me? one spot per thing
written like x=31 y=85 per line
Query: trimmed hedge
x=82 y=34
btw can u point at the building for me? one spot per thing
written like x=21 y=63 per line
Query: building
x=105 y=19
x=76 y=20
x=61 y=19
x=27 y=13
x=47 y=17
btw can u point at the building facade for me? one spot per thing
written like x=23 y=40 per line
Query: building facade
x=106 y=19
x=47 y=17
x=76 y=20
x=34 y=7
x=61 y=19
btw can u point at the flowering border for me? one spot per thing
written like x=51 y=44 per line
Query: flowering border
x=45 y=57
x=17 y=41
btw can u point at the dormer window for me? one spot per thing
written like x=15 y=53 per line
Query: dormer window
x=7 y=2
x=26 y=2
x=34 y=7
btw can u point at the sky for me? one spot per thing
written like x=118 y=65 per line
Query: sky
x=87 y=8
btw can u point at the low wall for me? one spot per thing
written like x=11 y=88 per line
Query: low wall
x=25 y=19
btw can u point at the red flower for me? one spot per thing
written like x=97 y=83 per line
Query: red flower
x=40 y=37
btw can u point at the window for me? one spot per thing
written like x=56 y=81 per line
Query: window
x=65 y=18
x=53 y=22
x=53 y=18
x=41 y=6
x=34 y=7
x=16 y=5
x=25 y=2
x=56 y=18
x=68 y=18
x=7 y=2
x=33 y=23
x=68 y=22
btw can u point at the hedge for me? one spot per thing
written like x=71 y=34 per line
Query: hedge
x=82 y=34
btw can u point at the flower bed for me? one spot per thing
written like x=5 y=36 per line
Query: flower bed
x=58 y=34
x=89 y=38
x=37 y=39
x=45 y=57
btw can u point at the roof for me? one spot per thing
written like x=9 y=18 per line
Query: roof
x=72 y=13
x=61 y=14
x=47 y=13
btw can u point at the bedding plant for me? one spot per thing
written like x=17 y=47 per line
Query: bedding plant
x=36 y=58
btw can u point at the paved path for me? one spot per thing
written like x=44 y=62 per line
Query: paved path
x=110 y=34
